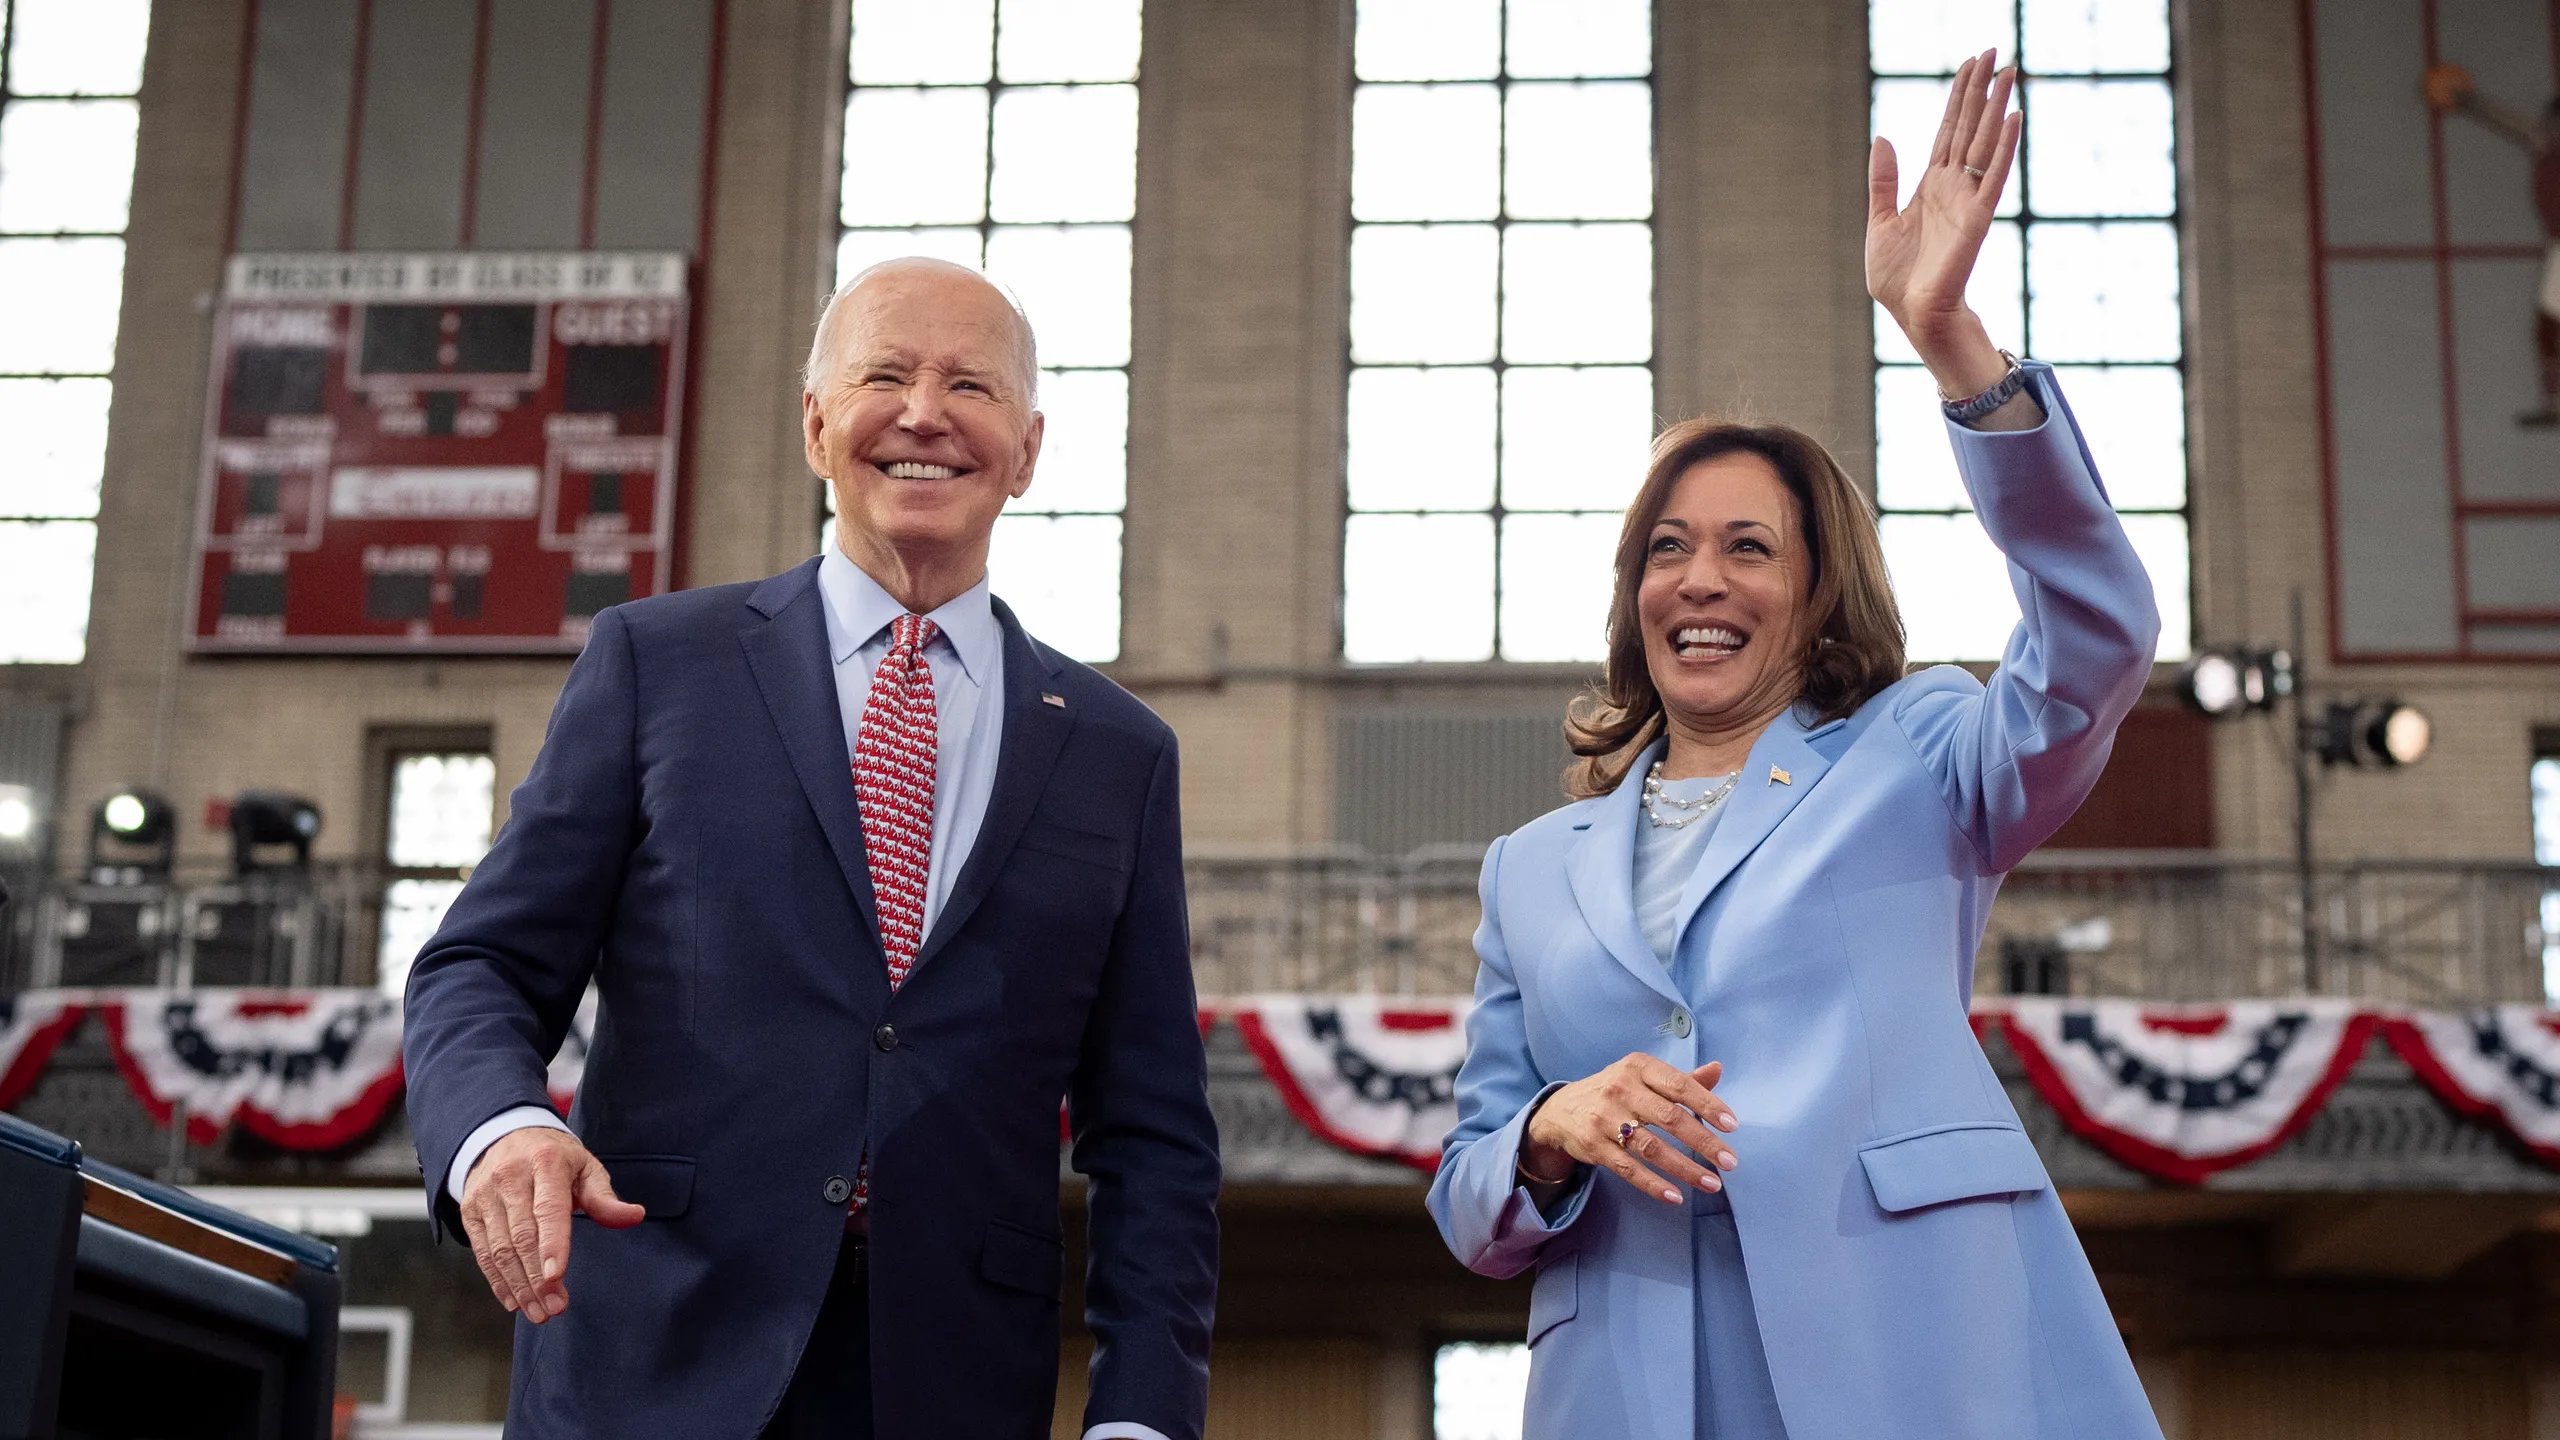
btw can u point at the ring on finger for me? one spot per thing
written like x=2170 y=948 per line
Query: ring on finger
x=1972 y=171
x=1627 y=1132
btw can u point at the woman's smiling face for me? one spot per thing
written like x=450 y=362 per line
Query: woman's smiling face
x=1722 y=600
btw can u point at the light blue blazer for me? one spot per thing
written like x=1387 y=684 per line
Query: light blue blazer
x=1912 y=1270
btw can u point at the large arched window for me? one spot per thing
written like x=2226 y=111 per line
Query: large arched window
x=2080 y=270
x=1003 y=134
x=1501 y=389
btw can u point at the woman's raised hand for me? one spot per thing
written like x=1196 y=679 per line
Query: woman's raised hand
x=1920 y=255
x=1580 y=1124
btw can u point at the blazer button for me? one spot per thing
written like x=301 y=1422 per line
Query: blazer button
x=1680 y=1025
x=838 y=1190
x=886 y=1037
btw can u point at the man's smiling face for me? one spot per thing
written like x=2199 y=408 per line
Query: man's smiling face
x=923 y=421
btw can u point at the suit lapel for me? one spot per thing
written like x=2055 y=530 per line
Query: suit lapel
x=1780 y=772
x=1601 y=870
x=788 y=654
x=1034 y=733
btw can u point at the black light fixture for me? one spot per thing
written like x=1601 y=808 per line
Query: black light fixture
x=2235 y=679
x=17 y=821
x=133 y=836
x=2382 y=734
x=263 y=819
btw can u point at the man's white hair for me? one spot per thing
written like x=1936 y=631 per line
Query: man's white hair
x=823 y=344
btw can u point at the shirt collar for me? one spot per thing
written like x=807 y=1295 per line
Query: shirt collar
x=858 y=610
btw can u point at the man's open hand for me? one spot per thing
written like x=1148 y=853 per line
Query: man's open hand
x=515 y=1207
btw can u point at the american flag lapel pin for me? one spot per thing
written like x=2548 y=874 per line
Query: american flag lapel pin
x=1780 y=777
x=1048 y=699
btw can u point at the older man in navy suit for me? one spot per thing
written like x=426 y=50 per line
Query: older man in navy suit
x=868 y=880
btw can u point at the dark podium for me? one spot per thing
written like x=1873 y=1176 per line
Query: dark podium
x=130 y=1310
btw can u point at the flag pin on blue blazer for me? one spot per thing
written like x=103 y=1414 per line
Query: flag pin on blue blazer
x=1780 y=777
x=1048 y=699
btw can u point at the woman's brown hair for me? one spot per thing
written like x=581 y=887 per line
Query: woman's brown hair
x=1856 y=646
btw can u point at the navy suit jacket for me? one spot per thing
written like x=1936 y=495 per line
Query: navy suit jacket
x=688 y=838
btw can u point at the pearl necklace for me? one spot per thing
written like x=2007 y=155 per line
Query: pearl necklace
x=1693 y=810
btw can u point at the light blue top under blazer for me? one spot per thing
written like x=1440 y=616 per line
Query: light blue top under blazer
x=1912 y=1270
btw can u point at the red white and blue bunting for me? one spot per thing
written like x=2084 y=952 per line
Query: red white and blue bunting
x=570 y=1065
x=2183 y=1091
x=1374 y=1075
x=2500 y=1062
x=31 y=1025
x=310 y=1070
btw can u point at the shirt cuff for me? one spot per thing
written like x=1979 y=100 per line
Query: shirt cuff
x=1124 y=1430
x=491 y=1131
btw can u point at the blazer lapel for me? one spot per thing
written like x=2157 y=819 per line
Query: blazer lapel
x=787 y=651
x=1780 y=772
x=1034 y=733
x=1601 y=870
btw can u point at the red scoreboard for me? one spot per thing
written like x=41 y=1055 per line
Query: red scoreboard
x=439 y=453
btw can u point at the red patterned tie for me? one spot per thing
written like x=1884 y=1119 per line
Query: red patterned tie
x=893 y=783
x=893 y=780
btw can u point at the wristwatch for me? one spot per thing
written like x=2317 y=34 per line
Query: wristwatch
x=2002 y=391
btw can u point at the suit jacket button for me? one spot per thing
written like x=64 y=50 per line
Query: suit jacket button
x=838 y=1190
x=1680 y=1021
x=886 y=1037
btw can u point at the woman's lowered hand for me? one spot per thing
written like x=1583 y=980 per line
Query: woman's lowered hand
x=1641 y=1098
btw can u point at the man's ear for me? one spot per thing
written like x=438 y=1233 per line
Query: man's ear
x=813 y=435
x=1030 y=452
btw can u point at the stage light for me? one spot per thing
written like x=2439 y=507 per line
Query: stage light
x=133 y=836
x=2228 y=681
x=2383 y=734
x=2401 y=736
x=267 y=818
x=17 y=814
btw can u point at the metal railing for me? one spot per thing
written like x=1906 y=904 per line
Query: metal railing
x=2153 y=925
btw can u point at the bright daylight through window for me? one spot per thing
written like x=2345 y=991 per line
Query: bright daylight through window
x=2080 y=271
x=1005 y=136
x=2546 y=850
x=1501 y=395
x=442 y=809
x=69 y=70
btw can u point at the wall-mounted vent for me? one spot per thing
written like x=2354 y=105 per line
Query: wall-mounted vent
x=1408 y=778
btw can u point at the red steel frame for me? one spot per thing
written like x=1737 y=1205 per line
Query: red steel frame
x=2442 y=251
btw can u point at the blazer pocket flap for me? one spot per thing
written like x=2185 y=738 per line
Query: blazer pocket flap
x=1051 y=838
x=1557 y=1296
x=1020 y=1258
x=1951 y=1162
x=660 y=1184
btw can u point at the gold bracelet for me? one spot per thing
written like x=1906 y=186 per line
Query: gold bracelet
x=1521 y=1169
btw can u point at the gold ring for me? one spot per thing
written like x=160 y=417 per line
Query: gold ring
x=1969 y=170
x=1627 y=1132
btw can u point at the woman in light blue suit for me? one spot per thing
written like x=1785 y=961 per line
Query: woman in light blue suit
x=1763 y=918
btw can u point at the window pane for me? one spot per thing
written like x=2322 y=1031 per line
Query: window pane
x=2103 y=292
x=2135 y=419
x=2066 y=36
x=1428 y=40
x=1578 y=152
x=1568 y=38
x=1952 y=585
x=1425 y=152
x=1062 y=578
x=411 y=911
x=1058 y=40
x=885 y=184
x=1915 y=462
x=441 y=809
x=1420 y=439
x=1577 y=292
x=1067 y=153
x=57 y=445
x=922 y=42
x=2546 y=811
x=58 y=303
x=1907 y=113
x=1422 y=293
x=2101 y=147
x=1574 y=439
x=78 y=47
x=2161 y=541
x=1074 y=282
x=1933 y=37
x=1555 y=586
x=1994 y=292
x=1417 y=587
x=859 y=250
x=44 y=590
x=1478 y=1392
x=1084 y=447
x=66 y=164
